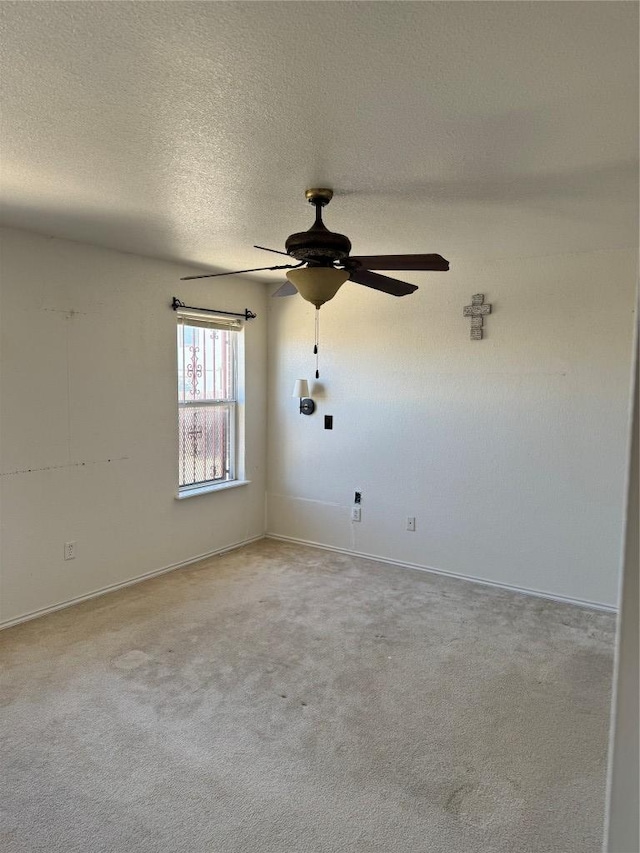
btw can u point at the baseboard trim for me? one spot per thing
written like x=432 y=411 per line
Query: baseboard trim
x=27 y=617
x=591 y=605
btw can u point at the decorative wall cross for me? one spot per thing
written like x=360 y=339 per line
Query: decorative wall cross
x=476 y=311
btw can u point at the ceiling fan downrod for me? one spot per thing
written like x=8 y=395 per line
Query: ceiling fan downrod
x=318 y=246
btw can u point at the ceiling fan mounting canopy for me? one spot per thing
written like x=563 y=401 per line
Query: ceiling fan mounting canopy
x=319 y=195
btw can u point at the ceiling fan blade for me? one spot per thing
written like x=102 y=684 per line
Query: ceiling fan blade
x=276 y=251
x=287 y=289
x=401 y=262
x=237 y=272
x=382 y=282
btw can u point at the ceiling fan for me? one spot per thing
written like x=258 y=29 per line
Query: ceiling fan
x=324 y=262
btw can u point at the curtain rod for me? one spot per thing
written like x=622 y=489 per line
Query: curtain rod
x=248 y=315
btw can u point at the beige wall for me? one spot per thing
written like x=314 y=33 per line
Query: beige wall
x=623 y=830
x=510 y=452
x=88 y=423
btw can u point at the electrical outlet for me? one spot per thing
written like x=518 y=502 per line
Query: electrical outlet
x=411 y=523
x=356 y=513
x=358 y=498
x=69 y=550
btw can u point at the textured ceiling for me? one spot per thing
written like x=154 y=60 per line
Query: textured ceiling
x=189 y=131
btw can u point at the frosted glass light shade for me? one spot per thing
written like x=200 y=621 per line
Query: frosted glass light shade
x=317 y=284
x=301 y=389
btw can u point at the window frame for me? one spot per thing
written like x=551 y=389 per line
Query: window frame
x=193 y=318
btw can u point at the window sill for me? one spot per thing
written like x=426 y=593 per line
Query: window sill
x=213 y=487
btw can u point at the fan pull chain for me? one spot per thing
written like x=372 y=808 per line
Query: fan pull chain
x=317 y=341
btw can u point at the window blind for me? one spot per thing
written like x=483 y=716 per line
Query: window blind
x=203 y=319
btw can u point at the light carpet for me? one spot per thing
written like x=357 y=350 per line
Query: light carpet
x=285 y=699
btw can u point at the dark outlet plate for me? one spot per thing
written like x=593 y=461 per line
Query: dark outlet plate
x=328 y=421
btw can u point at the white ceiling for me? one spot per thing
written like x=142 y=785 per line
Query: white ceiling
x=190 y=130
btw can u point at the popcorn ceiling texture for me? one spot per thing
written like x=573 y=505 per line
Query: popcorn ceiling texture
x=282 y=698
x=189 y=131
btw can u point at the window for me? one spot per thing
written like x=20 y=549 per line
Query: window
x=207 y=401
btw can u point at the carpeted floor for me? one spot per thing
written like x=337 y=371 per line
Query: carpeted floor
x=283 y=699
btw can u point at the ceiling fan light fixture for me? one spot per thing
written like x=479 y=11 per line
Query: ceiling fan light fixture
x=317 y=284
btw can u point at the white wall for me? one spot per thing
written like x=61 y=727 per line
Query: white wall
x=510 y=451
x=88 y=425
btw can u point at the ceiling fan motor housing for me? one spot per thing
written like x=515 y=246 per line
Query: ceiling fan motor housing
x=318 y=246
